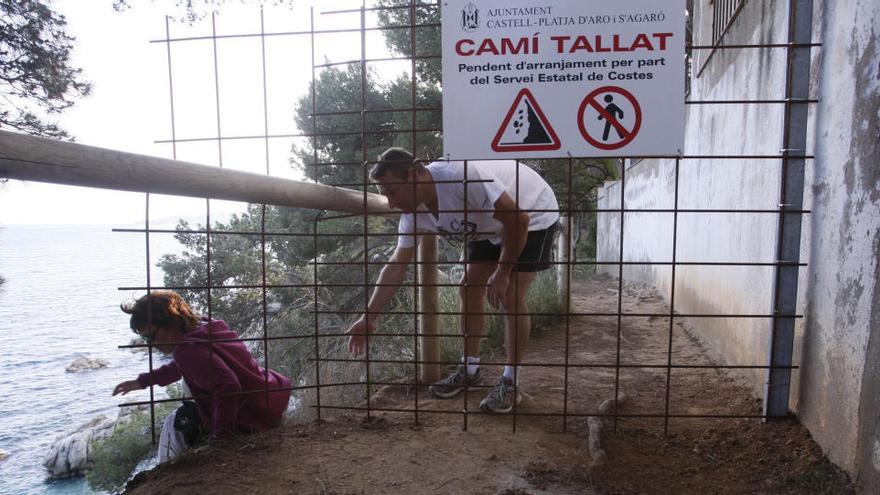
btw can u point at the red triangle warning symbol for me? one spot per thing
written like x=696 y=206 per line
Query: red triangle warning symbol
x=525 y=128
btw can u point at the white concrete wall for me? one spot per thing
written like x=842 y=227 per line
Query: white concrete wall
x=716 y=184
x=836 y=392
x=840 y=382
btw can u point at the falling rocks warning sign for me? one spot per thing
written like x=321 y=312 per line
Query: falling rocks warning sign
x=562 y=78
x=525 y=128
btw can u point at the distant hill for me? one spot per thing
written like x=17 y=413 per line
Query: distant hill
x=172 y=221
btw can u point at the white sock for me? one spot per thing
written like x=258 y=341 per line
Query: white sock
x=473 y=365
x=508 y=372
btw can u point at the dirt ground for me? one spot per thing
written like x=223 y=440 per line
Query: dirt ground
x=451 y=452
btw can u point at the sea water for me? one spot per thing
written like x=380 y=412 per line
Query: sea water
x=60 y=301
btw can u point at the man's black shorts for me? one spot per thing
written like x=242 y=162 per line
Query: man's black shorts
x=535 y=255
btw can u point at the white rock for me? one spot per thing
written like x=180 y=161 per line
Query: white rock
x=83 y=363
x=69 y=454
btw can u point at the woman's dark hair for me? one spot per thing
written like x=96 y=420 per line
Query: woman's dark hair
x=162 y=308
x=396 y=160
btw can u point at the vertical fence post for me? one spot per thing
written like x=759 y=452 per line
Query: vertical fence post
x=788 y=244
x=563 y=251
x=429 y=305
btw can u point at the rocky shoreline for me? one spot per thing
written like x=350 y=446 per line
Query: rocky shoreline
x=69 y=454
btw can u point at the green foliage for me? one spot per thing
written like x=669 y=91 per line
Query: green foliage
x=400 y=39
x=585 y=176
x=400 y=347
x=36 y=72
x=116 y=456
x=542 y=298
x=337 y=154
x=585 y=243
x=236 y=260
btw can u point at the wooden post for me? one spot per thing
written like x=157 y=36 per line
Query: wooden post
x=47 y=160
x=563 y=251
x=429 y=305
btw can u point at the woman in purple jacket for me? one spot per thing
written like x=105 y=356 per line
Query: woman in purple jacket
x=232 y=393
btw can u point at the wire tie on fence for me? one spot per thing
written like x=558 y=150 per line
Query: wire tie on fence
x=791 y=150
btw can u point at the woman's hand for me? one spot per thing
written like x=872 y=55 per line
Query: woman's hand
x=126 y=387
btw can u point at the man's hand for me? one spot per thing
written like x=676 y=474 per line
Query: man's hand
x=126 y=387
x=357 y=340
x=497 y=288
x=515 y=232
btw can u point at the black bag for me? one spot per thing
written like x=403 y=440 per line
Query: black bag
x=187 y=422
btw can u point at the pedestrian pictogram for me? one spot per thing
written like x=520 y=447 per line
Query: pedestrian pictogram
x=525 y=128
x=609 y=117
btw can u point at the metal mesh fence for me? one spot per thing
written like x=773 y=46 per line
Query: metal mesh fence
x=304 y=276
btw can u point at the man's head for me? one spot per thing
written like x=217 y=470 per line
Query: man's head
x=395 y=173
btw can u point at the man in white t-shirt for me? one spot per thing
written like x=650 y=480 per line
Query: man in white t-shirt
x=509 y=232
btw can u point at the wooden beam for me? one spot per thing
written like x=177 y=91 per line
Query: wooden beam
x=564 y=250
x=45 y=160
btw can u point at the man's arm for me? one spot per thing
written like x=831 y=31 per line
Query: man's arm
x=387 y=284
x=515 y=231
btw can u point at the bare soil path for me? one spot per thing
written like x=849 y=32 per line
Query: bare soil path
x=346 y=454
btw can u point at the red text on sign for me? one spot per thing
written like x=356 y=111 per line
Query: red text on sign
x=563 y=44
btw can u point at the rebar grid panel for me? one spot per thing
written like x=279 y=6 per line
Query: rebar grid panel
x=316 y=338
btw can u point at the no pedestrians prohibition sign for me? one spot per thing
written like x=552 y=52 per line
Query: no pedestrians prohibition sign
x=563 y=78
x=623 y=115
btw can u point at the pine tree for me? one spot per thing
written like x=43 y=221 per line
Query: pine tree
x=37 y=78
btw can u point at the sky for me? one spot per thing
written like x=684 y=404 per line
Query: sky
x=129 y=108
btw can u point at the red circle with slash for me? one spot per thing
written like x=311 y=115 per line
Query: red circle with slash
x=628 y=135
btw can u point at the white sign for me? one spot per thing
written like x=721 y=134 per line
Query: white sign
x=557 y=78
